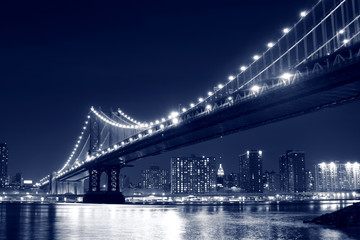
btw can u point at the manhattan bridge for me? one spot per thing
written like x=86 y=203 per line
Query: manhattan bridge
x=313 y=65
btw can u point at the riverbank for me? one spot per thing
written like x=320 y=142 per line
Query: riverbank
x=343 y=218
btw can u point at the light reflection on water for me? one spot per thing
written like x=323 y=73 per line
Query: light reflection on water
x=86 y=221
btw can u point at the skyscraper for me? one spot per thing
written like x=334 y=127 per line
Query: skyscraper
x=250 y=171
x=271 y=182
x=292 y=172
x=4 y=157
x=220 y=178
x=193 y=175
x=154 y=178
x=337 y=176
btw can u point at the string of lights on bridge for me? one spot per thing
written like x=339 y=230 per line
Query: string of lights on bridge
x=173 y=117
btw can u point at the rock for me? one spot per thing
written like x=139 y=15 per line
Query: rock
x=345 y=217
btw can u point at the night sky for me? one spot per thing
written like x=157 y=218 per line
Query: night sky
x=58 y=58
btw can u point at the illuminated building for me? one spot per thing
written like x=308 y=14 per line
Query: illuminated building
x=271 y=182
x=193 y=175
x=4 y=155
x=231 y=180
x=310 y=181
x=292 y=172
x=250 y=171
x=336 y=176
x=220 y=178
x=154 y=178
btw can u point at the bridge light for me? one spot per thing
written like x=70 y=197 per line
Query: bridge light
x=157 y=121
x=175 y=120
x=342 y=31
x=255 y=89
x=122 y=143
x=231 y=77
x=256 y=57
x=174 y=114
x=303 y=13
x=346 y=41
x=150 y=131
x=286 y=30
x=192 y=105
x=270 y=44
x=163 y=119
x=286 y=76
x=208 y=107
x=130 y=139
x=220 y=86
x=243 y=68
x=210 y=93
x=183 y=109
x=201 y=99
x=140 y=135
x=230 y=98
x=162 y=126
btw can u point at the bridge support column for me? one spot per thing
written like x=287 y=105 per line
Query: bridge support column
x=112 y=195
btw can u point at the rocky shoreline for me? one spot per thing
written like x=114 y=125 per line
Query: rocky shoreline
x=345 y=217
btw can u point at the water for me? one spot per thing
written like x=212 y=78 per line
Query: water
x=89 y=221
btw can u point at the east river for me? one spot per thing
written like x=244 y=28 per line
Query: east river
x=90 y=221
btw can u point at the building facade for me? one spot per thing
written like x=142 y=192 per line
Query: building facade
x=250 y=171
x=4 y=158
x=220 y=178
x=337 y=176
x=270 y=182
x=155 y=178
x=231 y=180
x=193 y=175
x=292 y=172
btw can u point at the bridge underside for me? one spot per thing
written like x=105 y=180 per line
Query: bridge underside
x=323 y=90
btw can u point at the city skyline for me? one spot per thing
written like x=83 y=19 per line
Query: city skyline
x=48 y=142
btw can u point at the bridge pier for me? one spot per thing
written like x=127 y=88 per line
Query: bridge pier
x=112 y=194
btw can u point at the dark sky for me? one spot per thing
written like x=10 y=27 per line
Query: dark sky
x=59 y=58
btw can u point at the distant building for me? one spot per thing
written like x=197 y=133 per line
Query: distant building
x=4 y=158
x=155 y=178
x=250 y=171
x=270 y=182
x=17 y=180
x=220 y=178
x=292 y=172
x=337 y=176
x=310 y=181
x=193 y=175
x=231 y=180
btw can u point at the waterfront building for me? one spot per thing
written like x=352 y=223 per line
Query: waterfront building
x=270 y=182
x=337 y=176
x=310 y=181
x=292 y=172
x=250 y=171
x=220 y=178
x=231 y=180
x=154 y=178
x=193 y=175
x=4 y=158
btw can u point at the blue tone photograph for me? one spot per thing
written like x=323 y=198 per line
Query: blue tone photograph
x=180 y=119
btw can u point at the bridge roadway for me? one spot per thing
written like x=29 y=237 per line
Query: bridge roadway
x=317 y=90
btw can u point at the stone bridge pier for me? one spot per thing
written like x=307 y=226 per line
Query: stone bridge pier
x=112 y=193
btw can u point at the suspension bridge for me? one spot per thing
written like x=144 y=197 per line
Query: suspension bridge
x=313 y=65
